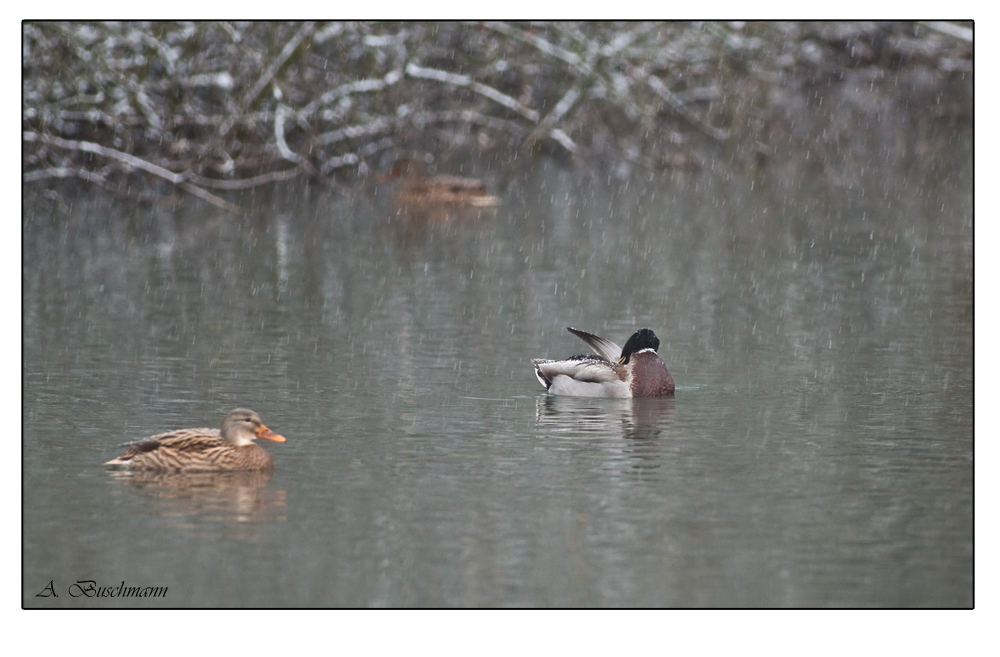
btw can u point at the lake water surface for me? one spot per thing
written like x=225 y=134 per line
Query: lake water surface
x=818 y=451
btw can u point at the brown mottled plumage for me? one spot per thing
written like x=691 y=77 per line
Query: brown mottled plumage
x=417 y=190
x=633 y=371
x=204 y=450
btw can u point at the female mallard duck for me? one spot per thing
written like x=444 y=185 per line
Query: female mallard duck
x=417 y=190
x=635 y=371
x=204 y=450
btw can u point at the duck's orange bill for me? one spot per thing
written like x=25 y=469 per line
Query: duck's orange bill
x=264 y=432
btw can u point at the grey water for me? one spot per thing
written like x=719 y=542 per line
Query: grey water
x=818 y=451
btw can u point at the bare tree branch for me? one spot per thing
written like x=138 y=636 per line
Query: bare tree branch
x=944 y=27
x=64 y=172
x=279 y=134
x=541 y=44
x=189 y=103
x=256 y=181
x=359 y=86
x=545 y=127
x=465 y=81
x=293 y=44
x=656 y=84
x=132 y=161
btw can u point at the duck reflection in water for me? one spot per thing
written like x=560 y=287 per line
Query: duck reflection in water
x=638 y=429
x=235 y=496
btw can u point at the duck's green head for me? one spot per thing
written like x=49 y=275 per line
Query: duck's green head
x=641 y=339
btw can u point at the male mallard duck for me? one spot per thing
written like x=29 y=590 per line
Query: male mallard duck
x=418 y=190
x=204 y=450
x=635 y=371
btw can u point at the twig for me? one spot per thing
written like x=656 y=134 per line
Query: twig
x=359 y=86
x=370 y=149
x=132 y=161
x=167 y=54
x=624 y=40
x=382 y=124
x=97 y=149
x=542 y=45
x=346 y=160
x=656 y=84
x=293 y=44
x=563 y=140
x=944 y=27
x=262 y=179
x=64 y=172
x=82 y=99
x=89 y=116
x=279 y=134
x=375 y=127
x=465 y=81
x=545 y=127
x=584 y=67
x=205 y=195
x=467 y=116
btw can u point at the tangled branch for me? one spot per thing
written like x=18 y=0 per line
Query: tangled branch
x=228 y=106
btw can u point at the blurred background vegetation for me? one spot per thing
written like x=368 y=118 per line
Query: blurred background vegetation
x=146 y=108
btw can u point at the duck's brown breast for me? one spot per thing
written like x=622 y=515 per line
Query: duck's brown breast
x=650 y=377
